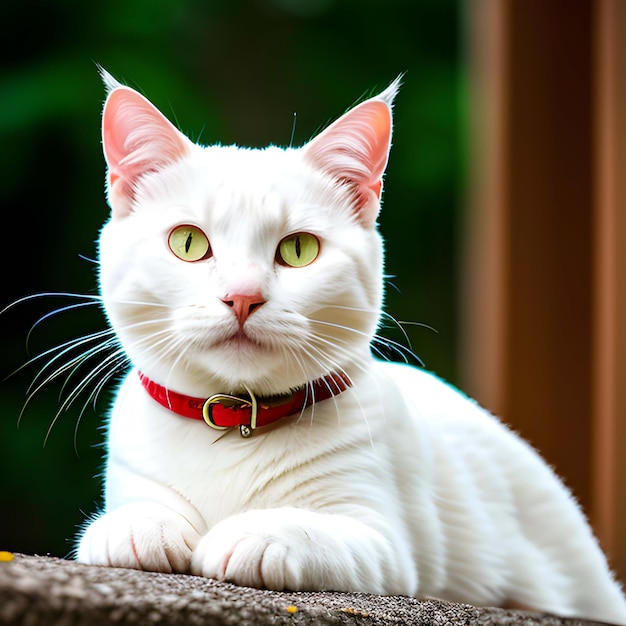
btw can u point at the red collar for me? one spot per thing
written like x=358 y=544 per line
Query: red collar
x=223 y=411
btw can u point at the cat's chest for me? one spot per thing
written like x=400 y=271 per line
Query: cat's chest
x=220 y=474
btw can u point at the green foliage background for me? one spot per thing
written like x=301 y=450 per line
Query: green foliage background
x=229 y=71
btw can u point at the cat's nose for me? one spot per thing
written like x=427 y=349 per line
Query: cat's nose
x=243 y=305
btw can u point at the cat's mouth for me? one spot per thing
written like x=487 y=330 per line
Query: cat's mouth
x=242 y=341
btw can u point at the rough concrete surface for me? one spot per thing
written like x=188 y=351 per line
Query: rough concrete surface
x=45 y=591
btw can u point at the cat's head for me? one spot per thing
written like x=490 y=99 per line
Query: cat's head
x=223 y=266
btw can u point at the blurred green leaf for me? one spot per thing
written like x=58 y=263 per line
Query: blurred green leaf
x=223 y=71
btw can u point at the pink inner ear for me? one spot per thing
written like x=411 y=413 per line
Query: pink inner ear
x=377 y=188
x=137 y=138
x=379 y=118
x=355 y=149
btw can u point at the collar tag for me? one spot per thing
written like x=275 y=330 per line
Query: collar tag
x=221 y=401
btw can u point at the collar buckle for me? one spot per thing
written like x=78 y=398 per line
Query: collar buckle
x=236 y=403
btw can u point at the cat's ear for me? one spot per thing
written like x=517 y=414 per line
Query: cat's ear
x=355 y=149
x=137 y=139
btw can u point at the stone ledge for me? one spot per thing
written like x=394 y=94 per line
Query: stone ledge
x=45 y=591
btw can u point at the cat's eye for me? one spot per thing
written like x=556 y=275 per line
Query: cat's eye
x=298 y=250
x=189 y=243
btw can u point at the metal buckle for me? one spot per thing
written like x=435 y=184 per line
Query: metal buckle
x=229 y=402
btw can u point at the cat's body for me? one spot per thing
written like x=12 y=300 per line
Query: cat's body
x=398 y=484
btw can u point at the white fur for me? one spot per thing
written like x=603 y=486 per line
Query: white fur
x=400 y=485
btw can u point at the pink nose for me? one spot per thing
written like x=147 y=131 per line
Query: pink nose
x=243 y=305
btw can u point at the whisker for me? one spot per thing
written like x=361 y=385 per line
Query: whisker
x=380 y=312
x=100 y=351
x=158 y=305
x=69 y=347
x=395 y=346
x=347 y=354
x=50 y=294
x=176 y=361
x=55 y=312
x=87 y=379
x=34 y=388
x=88 y=259
x=81 y=386
x=336 y=367
x=404 y=333
x=118 y=364
x=77 y=341
x=384 y=314
x=308 y=387
x=417 y=324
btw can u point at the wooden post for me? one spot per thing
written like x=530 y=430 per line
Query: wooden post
x=544 y=306
x=527 y=300
x=609 y=364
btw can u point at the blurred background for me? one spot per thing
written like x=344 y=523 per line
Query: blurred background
x=223 y=71
x=503 y=208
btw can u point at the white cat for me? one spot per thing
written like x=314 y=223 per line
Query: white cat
x=246 y=285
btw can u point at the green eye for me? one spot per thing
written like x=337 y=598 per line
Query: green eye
x=189 y=243
x=298 y=250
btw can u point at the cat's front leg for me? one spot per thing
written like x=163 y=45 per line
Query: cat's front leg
x=288 y=548
x=141 y=535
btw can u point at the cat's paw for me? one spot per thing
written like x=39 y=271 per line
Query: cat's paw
x=294 y=549
x=139 y=536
